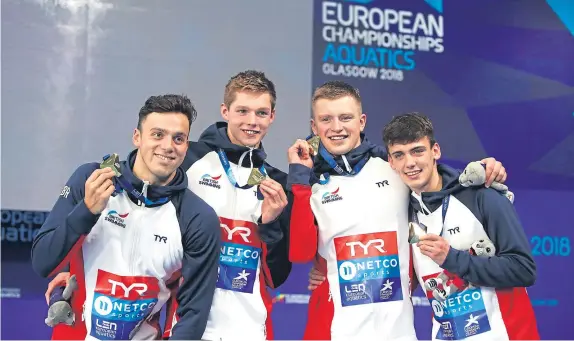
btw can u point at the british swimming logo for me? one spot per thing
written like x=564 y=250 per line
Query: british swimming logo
x=457 y=307
x=329 y=196
x=116 y=218
x=239 y=256
x=369 y=269
x=210 y=181
x=121 y=304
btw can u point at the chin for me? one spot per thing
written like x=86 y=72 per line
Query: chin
x=163 y=173
x=415 y=185
x=339 y=150
x=250 y=142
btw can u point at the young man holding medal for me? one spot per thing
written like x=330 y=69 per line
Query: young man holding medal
x=472 y=295
x=127 y=230
x=351 y=208
x=226 y=167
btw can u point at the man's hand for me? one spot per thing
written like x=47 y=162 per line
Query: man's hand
x=274 y=200
x=301 y=153
x=435 y=247
x=99 y=187
x=494 y=171
x=316 y=278
x=59 y=281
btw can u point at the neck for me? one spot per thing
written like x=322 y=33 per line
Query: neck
x=235 y=142
x=434 y=184
x=142 y=172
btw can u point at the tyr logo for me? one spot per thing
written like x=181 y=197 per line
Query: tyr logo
x=160 y=239
x=454 y=230
x=382 y=183
x=376 y=243
x=140 y=288
x=243 y=232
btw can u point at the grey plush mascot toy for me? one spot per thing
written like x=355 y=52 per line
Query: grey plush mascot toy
x=60 y=310
x=447 y=283
x=475 y=175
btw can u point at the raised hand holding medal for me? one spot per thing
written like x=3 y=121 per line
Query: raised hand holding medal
x=302 y=152
x=274 y=200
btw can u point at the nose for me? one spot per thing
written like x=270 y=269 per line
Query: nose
x=252 y=119
x=167 y=144
x=336 y=125
x=410 y=161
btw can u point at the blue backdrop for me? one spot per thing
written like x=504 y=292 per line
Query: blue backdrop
x=497 y=79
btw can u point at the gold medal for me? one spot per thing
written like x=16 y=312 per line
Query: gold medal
x=255 y=177
x=112 y=161
x=314 y=143
x=415 y=231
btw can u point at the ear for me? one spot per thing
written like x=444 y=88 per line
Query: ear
x=272 y=116
x=314 y=127
x=363 y=121
x=136 y=138
x=436 y=151
x=224 y=111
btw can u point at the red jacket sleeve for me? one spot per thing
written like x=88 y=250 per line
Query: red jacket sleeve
x=303 y=231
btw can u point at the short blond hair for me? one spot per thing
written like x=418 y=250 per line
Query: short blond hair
x=335 y=90
x=249 y=81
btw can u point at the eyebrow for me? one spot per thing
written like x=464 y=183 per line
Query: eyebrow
x=343 y=113
x=258 y=109
x=410 y=150
x=417 y=147
x=179 y=133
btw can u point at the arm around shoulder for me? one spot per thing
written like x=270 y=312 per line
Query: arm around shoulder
x=201 y=246
x=67 y=224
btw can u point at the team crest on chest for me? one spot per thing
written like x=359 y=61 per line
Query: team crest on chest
x=117 y=218
x=210 y=181
x=330 y=196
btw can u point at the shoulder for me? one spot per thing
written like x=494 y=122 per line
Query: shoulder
x=195 y=151
x=276 y=174
x=481 y=195
x=77 y=181
x=83 y=172
x=379 y=152
x=194 y=214
x=189 y=205
x=491 y=199
x=482 y=201
x=87 y=168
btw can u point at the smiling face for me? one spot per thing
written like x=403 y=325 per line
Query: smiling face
x=248 y=118
x=338 y=118
x=415 y=162
x=339 y=123
x=413 y=152
x=248 y=107
x=162 y=141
